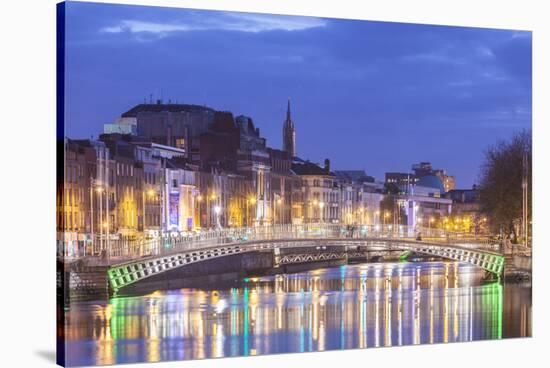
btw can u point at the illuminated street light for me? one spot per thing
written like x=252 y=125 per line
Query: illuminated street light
x=199 y=198
x=217 y=209
x=386 y=215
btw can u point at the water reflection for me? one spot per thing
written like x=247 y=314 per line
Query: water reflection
x=355 y=306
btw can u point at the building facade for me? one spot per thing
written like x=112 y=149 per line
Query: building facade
x=320 y=192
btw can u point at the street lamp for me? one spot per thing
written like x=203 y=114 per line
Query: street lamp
x=279 y=201
x=99 y=190
x=105 y=225
x=199 y=199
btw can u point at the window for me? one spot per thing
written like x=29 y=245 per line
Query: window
x=180 y=142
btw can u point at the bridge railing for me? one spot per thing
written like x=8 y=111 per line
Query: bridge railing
x=170 y=244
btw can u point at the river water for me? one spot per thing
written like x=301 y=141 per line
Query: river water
x=351 y=306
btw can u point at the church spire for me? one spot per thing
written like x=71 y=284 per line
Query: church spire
x=289 y=133
x=288 y=110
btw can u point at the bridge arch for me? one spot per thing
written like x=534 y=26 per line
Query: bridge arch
x=128 y=273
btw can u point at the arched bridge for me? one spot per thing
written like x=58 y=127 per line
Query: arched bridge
x=167 y=254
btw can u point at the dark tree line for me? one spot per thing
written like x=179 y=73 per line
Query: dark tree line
x=501 y=195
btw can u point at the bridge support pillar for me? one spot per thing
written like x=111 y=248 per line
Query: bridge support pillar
x=276 y=257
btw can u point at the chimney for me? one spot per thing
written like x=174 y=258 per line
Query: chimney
x=327 y=165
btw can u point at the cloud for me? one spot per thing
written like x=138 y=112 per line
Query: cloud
x=239 y=22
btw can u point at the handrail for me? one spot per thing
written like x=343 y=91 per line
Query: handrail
x=127 y=250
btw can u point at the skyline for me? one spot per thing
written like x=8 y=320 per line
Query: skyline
x=411 y=84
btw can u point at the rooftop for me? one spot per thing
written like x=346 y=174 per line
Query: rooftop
x=309 y=168
x=354 y=175
x=161 y=107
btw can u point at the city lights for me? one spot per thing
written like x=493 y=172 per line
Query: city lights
x=192 y=224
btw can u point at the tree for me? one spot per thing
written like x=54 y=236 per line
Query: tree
x=501 y=196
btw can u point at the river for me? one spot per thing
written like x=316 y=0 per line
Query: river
x=351 y=306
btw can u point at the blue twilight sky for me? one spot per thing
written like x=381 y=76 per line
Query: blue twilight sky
x=369 y=95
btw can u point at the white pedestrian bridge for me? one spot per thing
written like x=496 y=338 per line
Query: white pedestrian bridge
x=134 y=262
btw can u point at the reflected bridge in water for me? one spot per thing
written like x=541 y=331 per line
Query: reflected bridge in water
x=351 y=306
